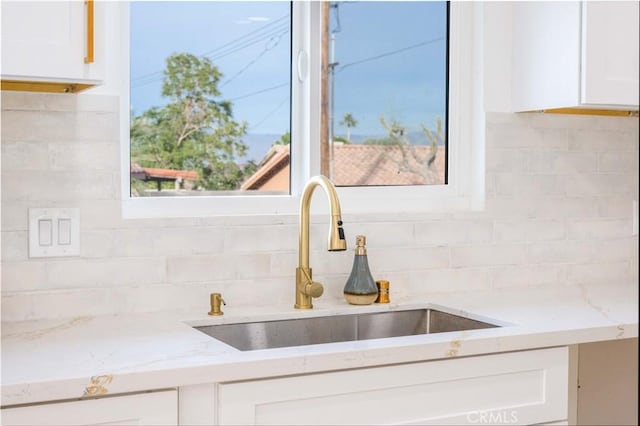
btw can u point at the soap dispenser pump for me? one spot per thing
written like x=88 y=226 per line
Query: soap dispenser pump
x=360 y=288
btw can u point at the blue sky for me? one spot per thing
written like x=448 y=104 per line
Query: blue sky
x=390 y=58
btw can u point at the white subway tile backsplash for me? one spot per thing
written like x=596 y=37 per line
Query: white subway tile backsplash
x=74 y=156
x=558 y=211
x=24 y=276
x=15 y=246
x=617 y=162
x=614 y=206
x=562 y=162
x=40 y=126
x=598 y=229
x=598 y=272
x=615 y=249
x=528 y=275
x=97 y=244
x=597 y=185
x=21 y=156
x=595 y=140
x=58 y=186
x=519 y=185
x=380 y=234
x=508 y=160
x=200 y=269
x=488 y=255
x=514 y=136
x=108 y=272
x=529 y=230
x=408 y=259
x=561 y=252
x=440 y=233
x=443 y=280
x=251 y=239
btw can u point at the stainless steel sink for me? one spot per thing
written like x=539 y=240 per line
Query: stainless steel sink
x=342 y=328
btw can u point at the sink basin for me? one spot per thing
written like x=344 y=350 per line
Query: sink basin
x=341 y=328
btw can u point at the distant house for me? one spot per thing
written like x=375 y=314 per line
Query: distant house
x=181 y=178
x=356 y=165
x=272 y=173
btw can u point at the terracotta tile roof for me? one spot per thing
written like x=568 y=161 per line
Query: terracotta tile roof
x=384 y=165
x=168 y=174
x=363 y=165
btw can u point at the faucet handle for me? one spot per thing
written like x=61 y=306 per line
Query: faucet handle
x=314 y=289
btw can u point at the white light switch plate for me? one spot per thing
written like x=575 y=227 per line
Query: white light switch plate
x=54 y=232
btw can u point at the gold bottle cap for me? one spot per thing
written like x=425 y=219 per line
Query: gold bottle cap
x=382 y=284
x=361 y=242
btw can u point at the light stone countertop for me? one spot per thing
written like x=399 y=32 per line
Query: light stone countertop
x=84 y=356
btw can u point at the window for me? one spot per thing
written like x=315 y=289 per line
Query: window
x=210 y=95
x=386 y=93
x=259 y=96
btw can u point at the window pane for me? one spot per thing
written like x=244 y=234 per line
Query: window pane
x=386 y=91
x=210 y=97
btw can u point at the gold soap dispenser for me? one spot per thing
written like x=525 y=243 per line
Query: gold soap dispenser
x=360 y=289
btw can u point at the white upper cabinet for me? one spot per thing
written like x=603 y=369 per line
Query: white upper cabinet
x=575 y=54
x=49 y=42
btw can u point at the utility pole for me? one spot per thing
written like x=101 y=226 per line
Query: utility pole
x=331 y=67
x=324 y=95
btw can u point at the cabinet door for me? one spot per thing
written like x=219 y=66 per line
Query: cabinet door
x=610 y=40
x=155 y=408
x=47 y=41
x=513 y=388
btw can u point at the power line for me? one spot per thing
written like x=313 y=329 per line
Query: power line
x=252 y=36
x=257 y=92
x=210 y=52
x=391 y=53
x=151 y=78
x=267 y=48
x=270 y=113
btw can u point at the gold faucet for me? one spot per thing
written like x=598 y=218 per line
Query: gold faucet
x=306 y=288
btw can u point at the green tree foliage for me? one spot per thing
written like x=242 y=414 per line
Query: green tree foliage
x=285 y=139
x=194 y=130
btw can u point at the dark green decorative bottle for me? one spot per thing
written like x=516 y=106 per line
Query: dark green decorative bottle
x=361 y=288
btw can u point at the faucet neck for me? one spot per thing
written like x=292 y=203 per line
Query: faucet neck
x=336 y=234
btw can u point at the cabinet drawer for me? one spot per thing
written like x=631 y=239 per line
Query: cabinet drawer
x=516 y=388
x=154 y=408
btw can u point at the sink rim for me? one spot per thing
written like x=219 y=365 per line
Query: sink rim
x=492 y=323
x=291 y=314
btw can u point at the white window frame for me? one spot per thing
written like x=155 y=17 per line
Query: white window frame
x=465 y=188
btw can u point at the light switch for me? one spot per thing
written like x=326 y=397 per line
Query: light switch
x=45 y=232
x=64 y=231
x=54 y=232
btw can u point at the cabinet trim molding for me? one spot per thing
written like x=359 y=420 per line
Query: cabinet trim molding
x=44 y=86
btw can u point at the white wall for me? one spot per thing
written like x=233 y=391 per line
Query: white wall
x=558 y=212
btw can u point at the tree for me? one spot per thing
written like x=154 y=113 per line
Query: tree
x=350 y=122
x=285 y=139
x=410 y=160
x=194 y=130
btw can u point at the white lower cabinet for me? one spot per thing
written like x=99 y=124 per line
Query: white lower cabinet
x=153 y=408
x=528 y=387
